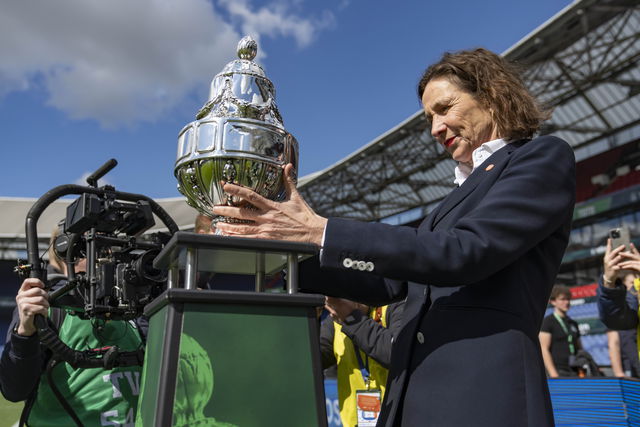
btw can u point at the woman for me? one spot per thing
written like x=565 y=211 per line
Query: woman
x=478 y=271
x=619 y=287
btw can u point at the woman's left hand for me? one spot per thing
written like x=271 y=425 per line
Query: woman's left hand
x=631 y=259
x=291 y=220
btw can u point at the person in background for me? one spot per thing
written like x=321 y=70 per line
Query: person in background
x=55 y=394
x=623 y=344
x=559 y=336
x=618 y=303
x=358 y=339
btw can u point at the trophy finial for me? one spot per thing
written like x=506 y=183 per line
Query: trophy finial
x=247 y=48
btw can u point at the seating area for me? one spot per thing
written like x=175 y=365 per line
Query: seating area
x=608 y=172
x=584 y=291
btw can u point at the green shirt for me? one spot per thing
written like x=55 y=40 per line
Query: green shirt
x=99 y=397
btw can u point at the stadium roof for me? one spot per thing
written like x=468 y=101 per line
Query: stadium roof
x=584 y=61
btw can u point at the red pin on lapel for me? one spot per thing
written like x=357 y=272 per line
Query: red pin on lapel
x=488 y=168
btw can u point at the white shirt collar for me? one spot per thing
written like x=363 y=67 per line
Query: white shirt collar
x=479 y=155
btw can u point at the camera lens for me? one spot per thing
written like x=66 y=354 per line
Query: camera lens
x=615 y=234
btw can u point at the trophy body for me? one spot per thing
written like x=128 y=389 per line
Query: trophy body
x=237 y=137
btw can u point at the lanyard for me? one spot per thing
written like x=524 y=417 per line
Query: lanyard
x=376 y=314
x=572 y=349
x=364 y=366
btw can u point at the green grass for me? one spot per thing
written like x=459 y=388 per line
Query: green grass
x=9 y=412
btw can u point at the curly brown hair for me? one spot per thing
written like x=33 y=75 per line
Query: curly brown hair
x=496 y=84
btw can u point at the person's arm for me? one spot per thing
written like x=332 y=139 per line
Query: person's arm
x=369 y=336
x=22 y=359
x=613 y=341
x=545 y=346
x=326 y=343
x=614 y=309
x=502 y=227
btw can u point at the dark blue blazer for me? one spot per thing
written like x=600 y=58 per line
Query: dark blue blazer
x=476 y=275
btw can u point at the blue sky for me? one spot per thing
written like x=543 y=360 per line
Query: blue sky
x=85 y=81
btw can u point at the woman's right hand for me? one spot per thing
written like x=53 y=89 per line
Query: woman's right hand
x=31 y=300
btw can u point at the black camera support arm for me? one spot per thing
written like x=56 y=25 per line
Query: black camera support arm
x=54 y=194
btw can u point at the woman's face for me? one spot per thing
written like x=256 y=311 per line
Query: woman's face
x=458 y=121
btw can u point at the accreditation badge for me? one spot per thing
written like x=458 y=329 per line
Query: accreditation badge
x=368 y=403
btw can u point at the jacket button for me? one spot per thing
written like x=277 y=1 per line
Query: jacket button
x=420 y=337
x=369 y=266
x=347 y=262
x=362 y=265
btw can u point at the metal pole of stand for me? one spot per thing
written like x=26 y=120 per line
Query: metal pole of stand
x=172 y=279
x=191 y=268
x=292 y=273
x=259 y=271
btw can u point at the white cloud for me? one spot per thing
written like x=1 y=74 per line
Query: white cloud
x=121 y=62
x=277 y=19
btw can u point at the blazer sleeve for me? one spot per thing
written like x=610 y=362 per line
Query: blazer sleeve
x=531 y=199
x=362 y=287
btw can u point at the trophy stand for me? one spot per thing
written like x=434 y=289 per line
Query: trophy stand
x=230 y=358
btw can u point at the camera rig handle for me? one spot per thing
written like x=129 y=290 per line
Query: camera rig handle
x=92 y=179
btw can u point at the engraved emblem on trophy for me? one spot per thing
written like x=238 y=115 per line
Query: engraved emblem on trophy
x=238 y=136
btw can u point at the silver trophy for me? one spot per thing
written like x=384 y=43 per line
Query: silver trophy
x=238 y=137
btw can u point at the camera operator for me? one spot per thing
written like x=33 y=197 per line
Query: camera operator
x=55 y=393
x=618 y=289
x=623 y=344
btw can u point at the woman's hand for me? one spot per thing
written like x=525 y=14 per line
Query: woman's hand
x=291 y=220
x=631 y=259
x=611 y=262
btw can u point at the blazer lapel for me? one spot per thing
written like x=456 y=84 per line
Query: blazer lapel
x=482 y=171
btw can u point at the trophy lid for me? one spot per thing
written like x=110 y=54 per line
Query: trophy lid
x=242 y=90
x=247 y=50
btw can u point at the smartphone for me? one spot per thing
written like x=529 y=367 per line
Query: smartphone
x=620 y=236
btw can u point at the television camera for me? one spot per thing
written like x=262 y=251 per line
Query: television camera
x=105 y=227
